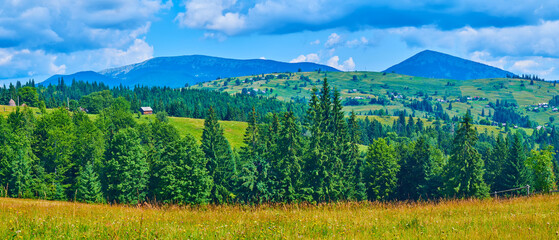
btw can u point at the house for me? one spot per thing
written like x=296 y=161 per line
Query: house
x=146 y=110
x=12 y=103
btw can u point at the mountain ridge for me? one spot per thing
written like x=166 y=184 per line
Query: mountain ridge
x=178 y=71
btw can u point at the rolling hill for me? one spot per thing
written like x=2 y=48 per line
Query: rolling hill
x=182 y=70
x=400 y=90
x=431 y=64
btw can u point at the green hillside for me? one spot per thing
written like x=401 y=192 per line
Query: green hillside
x=233 y=131
x=399 y=89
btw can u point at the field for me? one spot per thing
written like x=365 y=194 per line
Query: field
x=373 y=84
x=534 y=217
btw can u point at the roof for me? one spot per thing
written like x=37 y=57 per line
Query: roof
x=146 y=109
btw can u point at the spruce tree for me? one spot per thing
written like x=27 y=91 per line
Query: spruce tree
x=220 y=165
x=464 y=177
x=380 y=171
x=494 y=165
x=412 y=177
x=181 y=174
x=287 y=171
x=253 y=179
x=513 y=172
x=315 y=185
x=541 y=165
x=125 y=170
x=89 y=186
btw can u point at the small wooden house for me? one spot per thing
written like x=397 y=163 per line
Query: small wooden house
x=146 y=110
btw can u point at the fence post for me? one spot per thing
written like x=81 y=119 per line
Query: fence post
x=528 y=187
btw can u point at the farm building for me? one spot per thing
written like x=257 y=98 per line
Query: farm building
x=12 y=103
x=146 y=110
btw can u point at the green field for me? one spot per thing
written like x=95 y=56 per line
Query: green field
x=535 y=217
x=373 y=84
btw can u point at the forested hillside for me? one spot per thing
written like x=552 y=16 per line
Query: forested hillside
x=314 y=157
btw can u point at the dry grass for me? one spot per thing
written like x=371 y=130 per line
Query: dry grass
x=520 y=218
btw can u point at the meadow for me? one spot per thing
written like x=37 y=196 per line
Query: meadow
x=534 y=217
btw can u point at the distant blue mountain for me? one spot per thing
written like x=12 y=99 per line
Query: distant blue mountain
x=431 y=64
x=181 y=70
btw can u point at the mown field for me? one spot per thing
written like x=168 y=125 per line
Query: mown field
x=374 y=84
x=535 y=217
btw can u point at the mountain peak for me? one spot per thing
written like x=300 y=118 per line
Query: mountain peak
x=433 y=64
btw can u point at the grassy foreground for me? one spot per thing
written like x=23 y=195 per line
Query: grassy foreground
x=521 y=218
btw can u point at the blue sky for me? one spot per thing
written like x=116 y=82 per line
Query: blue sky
x=39 y=38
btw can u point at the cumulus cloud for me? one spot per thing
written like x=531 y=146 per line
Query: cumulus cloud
x=347 y=65
x=540 y=39
x=30 y=63
x=311 y=57
x=333 y=40
x=37 y=35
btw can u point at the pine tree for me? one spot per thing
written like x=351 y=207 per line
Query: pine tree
x=380 y=171
x=220 y=166
x=89 y=186
x=465 y=167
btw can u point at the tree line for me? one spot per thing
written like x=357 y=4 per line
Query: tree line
x=67 y=155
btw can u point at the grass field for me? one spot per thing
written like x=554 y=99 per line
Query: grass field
x=534 y=217
x=374 y=84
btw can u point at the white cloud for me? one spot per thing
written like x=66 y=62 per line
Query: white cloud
x=363 y=41
x=333 y=40
x=311 y=57
x=347 y=65
x=36 y=36
x=534 y=40
x=211 y=15
x=315 y=42
x=30 y=63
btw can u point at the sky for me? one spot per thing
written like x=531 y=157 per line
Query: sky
x=40 y=38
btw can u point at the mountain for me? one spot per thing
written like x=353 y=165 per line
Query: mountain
x=181 y=70
x=431 y=64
